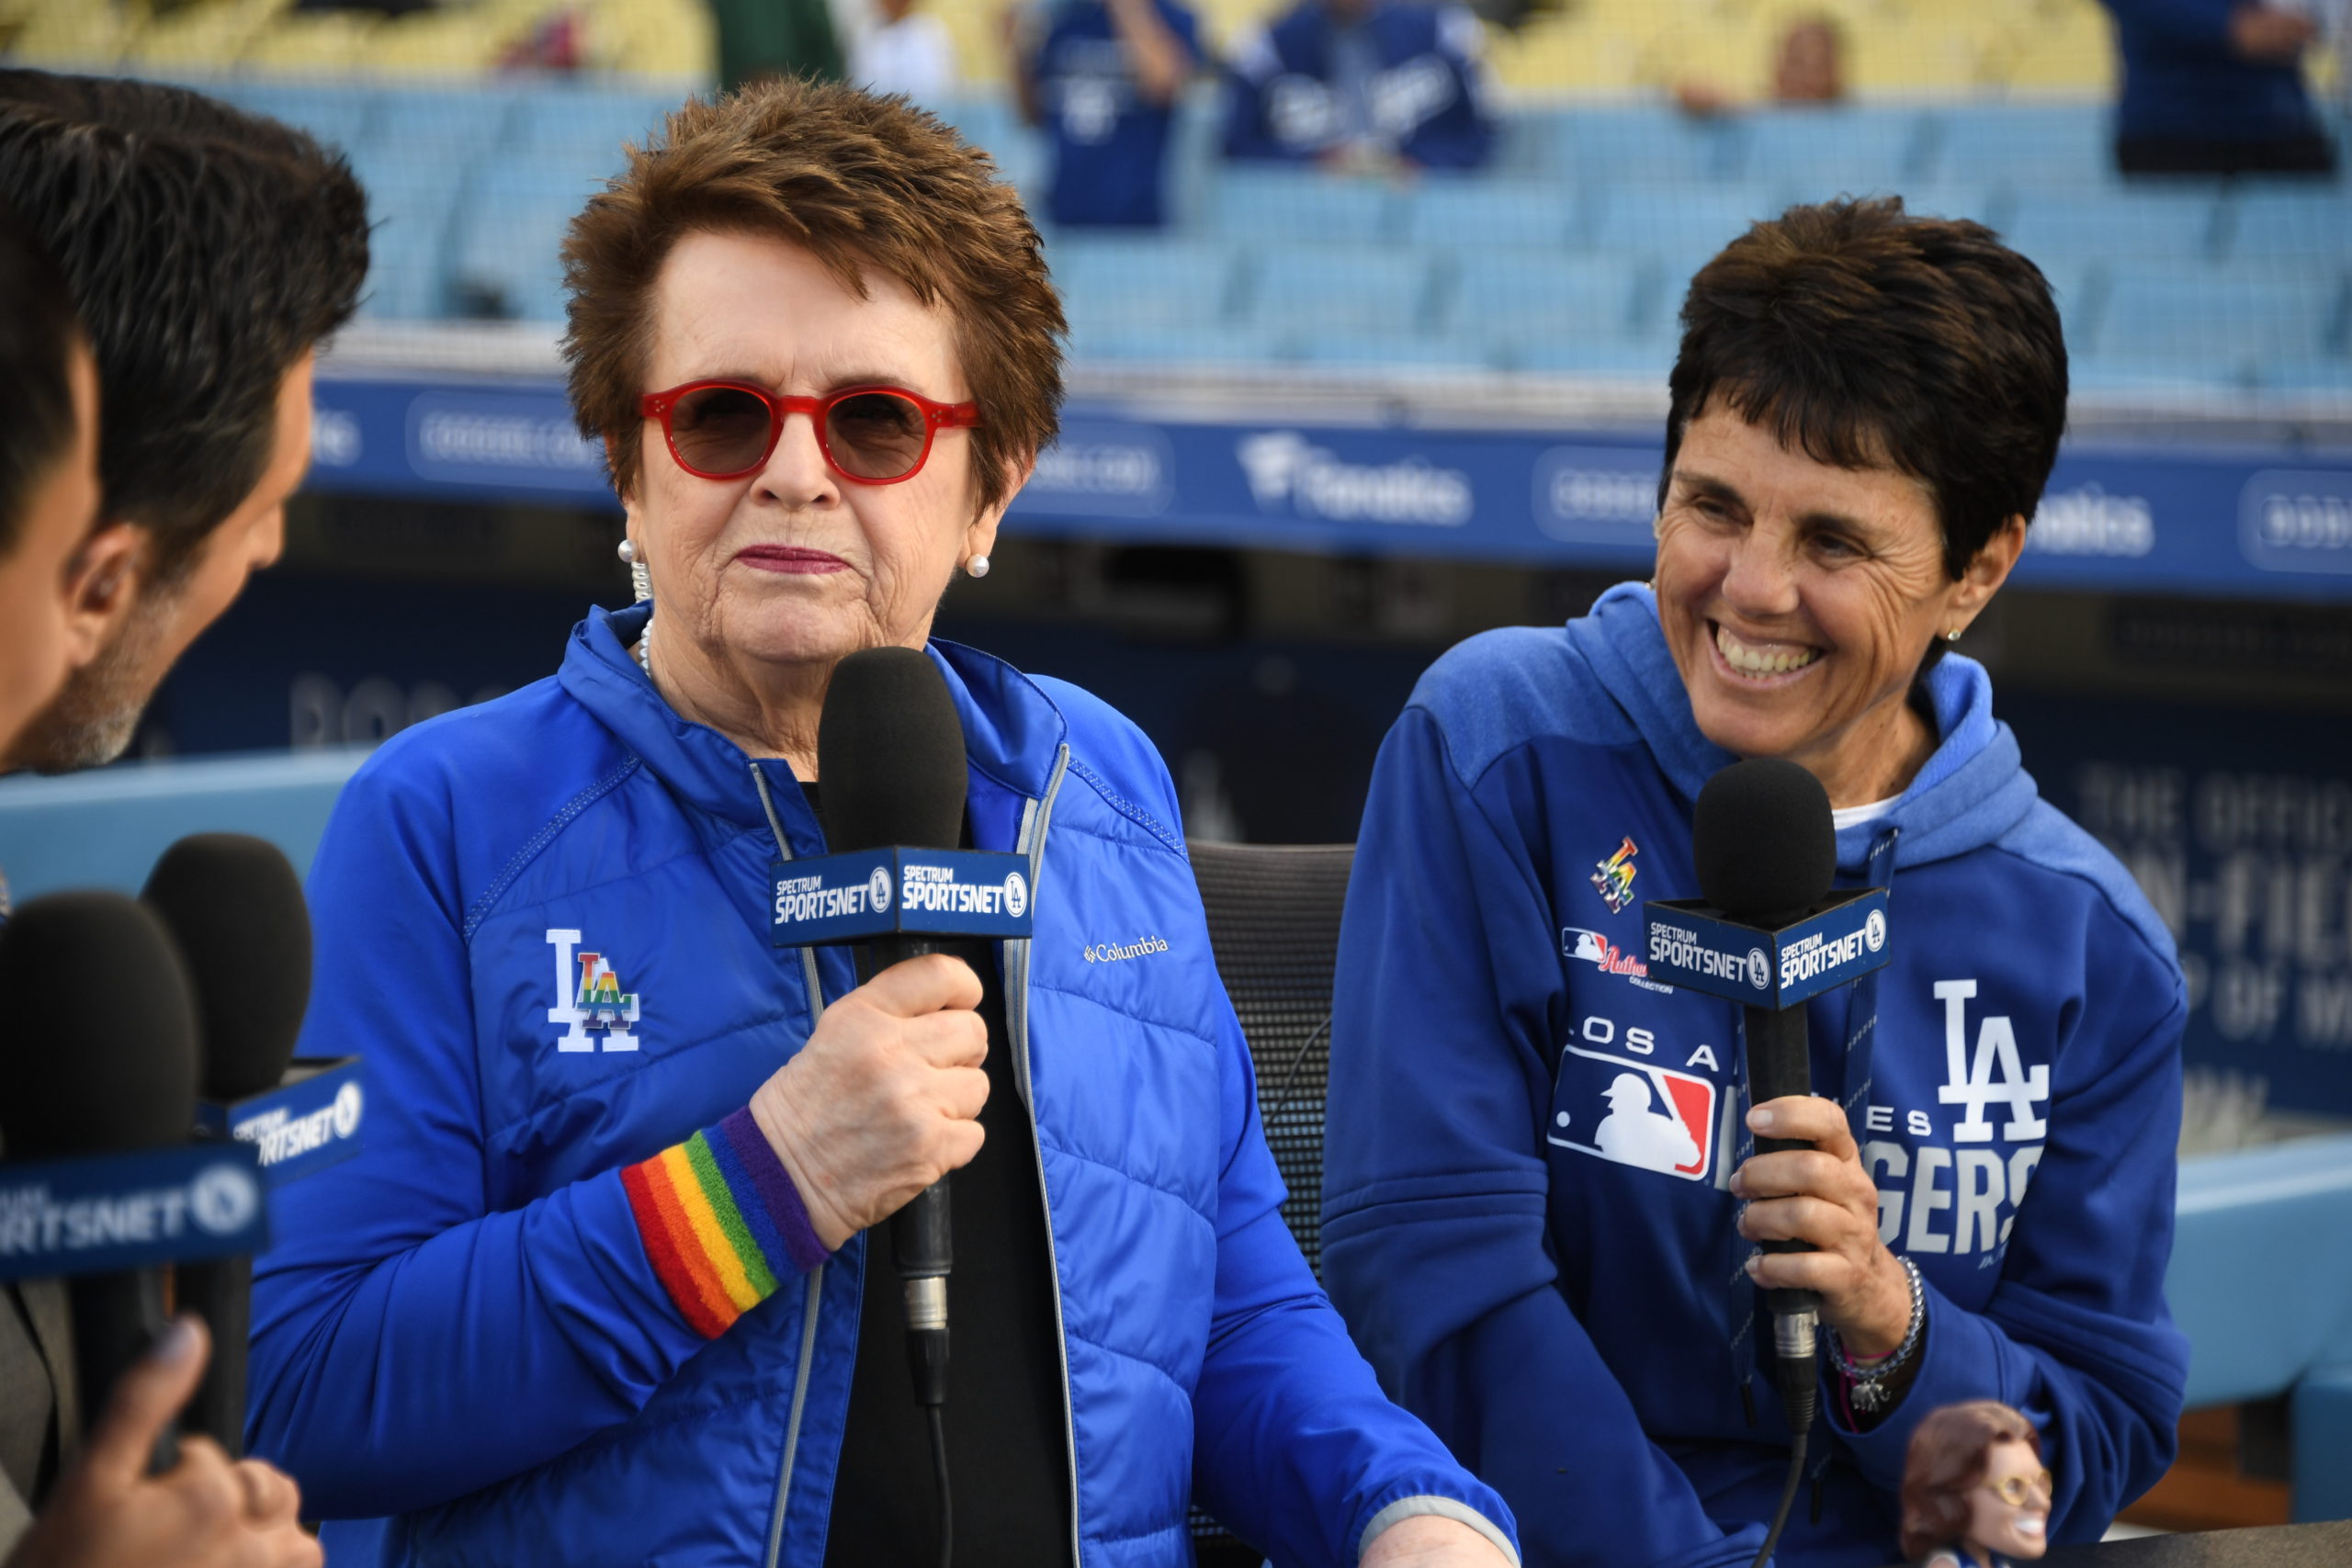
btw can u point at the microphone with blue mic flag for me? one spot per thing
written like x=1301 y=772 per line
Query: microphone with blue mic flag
x=1770 y=934
x=892 y=772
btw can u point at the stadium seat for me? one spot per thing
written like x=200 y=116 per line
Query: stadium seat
x=564 y=119
x=503 y=255
x=2170 y=227
x=2277 y=222
x=1247 y=203
x=1300 y=291
x=424 y=124
x=1118 y=284
x=2220 y=329
x=1513 y=301
x=1634 y=216
x=1489 y=212
x=410 y=201
x=1810 y=155
x=2027 y=145
x=1649 y=145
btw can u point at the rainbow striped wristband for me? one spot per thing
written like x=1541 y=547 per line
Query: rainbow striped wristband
x=721 y=1222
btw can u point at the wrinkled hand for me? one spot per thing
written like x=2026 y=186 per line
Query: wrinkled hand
x=881 y=1101
x=2269 y=36
x=1823 y=1195
x=204 y=1512
x=1425 y=1541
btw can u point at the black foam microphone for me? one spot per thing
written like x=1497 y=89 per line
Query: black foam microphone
x=891 y=766
x=99 y=1059
x=1766 y=848
x=234 y=906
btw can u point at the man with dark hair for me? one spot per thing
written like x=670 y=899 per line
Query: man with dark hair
x=1864 y=411
x=49 y=480
x=102 y=1508
x=209 y=251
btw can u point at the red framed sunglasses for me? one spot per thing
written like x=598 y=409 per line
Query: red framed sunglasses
x=875 y=435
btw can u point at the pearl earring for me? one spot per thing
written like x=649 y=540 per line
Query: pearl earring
x=641 y=580
x=977 y=567
x=1954 y=635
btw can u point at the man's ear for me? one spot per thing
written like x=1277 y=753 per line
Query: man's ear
x=103 y=580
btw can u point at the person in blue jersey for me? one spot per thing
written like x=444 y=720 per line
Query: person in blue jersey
x=2216 y=87
x=1864 y=411
x=1364 y=85
x=1102 y=78
x=601 y=1288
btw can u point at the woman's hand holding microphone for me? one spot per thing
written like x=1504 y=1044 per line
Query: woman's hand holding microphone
x=884 y=1098
x=1823 y=1197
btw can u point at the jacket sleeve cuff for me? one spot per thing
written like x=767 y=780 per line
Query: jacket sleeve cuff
x=1959 y=1359
x=1442 y=1508
x=721 y=1222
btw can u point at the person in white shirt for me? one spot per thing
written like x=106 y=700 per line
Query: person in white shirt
x=902 y=51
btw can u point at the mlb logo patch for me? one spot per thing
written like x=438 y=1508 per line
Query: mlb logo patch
x=1634 y=1112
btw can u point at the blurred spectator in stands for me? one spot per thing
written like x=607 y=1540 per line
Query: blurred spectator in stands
x=902 y=51
x=2216 y=87
x=1103 y=77
x=1808 y=67
x=1364 y=84
x=760 y=40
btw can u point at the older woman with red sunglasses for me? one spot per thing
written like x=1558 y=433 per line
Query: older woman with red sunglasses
x=599 y=1286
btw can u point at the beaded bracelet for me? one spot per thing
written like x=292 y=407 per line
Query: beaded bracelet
x=1869 y=1388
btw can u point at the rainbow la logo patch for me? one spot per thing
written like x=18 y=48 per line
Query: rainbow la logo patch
x=588 y=998
x=1614 y=878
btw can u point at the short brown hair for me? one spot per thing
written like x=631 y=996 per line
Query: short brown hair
x=1865 y=336
x=858 y=181
x=1945 y=1462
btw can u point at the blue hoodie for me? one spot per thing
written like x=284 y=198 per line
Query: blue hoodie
x=1525 y=1216
x=480 y=1326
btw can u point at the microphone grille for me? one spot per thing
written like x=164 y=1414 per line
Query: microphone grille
x=890 y=754
x=99 y=1054
x=1764 y=841
x=235 y=908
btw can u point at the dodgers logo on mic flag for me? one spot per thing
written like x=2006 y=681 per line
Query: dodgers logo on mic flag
x=1634 y=1112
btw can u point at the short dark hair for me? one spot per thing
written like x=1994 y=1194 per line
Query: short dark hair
x=38 y=331
x=1867 y=337
x=209 y=251
x=1950 y=1452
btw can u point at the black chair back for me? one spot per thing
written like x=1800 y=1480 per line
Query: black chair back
x=1273 y=912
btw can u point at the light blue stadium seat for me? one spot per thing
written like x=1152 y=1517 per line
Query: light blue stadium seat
x=332 y=114
x=991 y=124
x=584 y=124
x=1812 y=154
x=1171 y=345
x=1990 y=206
x=1299 y=291
x=1636 y=216
x=412 y=202
x=1299 y=204
x=407 y=119
x=2216 y=326
x=1376 y=350
x=1649 y=144
x=1483 y=211
x=503 y=254
x=1119 y=283
x=1646 y=363
x=2280 y=222
x=2169 y=227
x=2028 y=145
x=1518 y=303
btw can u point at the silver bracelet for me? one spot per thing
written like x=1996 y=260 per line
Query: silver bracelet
x=1867 y=1388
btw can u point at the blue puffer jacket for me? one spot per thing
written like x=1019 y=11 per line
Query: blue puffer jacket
x=461 y=1326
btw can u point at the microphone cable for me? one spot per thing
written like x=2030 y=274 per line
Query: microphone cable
x=1795 y=1340
x=946 y=1499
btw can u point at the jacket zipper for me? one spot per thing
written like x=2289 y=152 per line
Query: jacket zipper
x=813 y=1298
x=1035 y=819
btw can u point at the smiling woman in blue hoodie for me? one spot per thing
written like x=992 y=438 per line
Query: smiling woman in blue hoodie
x=1542 y=1200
